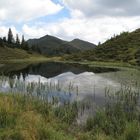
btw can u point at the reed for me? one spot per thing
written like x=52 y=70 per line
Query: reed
x=36 y=111
x=120 y=116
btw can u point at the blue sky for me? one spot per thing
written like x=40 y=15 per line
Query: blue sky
x=90 y=20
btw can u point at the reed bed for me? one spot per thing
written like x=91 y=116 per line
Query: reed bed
x=33 y=112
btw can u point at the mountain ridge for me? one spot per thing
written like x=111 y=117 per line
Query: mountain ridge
x=121 y=48
x=50 y=45
x=78 y=43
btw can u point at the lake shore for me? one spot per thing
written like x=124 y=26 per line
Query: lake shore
x=33 y=60
x=25 y=117
x=29 y=60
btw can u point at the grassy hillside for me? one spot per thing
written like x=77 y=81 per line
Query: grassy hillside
x=12 y=53
x=122 y=48
x=8 y=55
x=49 y=45
x=9 y=51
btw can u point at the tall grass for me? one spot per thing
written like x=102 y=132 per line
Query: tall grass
x=53 y=92
x=27 y=118
x=36 y=113
x=120 y=118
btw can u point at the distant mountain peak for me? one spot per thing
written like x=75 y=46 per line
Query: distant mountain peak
x=51 y=45
x=76 y=39
x=83 y=45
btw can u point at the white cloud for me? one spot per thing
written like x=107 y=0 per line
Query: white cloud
x=105 y=7
x=91 y=20
x=90 y=29
x=4 y=31
x=23 y=10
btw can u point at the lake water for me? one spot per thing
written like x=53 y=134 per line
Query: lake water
x=63 y=83
x=80 y=81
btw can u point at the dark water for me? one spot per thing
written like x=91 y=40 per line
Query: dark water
x=65 y=81
x=51 y=69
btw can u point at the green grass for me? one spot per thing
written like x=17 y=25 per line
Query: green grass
x=119 y=65
x=9 y=51
x=29 y=119
x=119 y=119
x=25 y=117
x=14 y=55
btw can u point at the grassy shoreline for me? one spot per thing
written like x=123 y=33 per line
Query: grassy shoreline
x=24 y=117
x=33 y=60
x=103 y=64
x=29 y=60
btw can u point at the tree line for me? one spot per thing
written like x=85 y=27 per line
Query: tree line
x=12 y=42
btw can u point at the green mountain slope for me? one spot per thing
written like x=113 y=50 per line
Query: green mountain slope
x=82 y=45
x=49 y=45
x=12 y=53
x=122 y=48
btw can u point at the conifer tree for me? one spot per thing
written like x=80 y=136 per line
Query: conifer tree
x=23 y=40
x=24 y=44
x=1 y=42
x=99 y=43
x=17 y=40
x=10 y=36
x=4 y=39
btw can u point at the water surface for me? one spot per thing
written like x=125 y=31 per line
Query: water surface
x=61 y=83
x=80 y=81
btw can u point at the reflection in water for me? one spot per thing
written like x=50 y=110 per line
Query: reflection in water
x=66 y=81
x=77 y=80
x=61 y=83
x=50 y=69
x=67 y=86
x=86 y=83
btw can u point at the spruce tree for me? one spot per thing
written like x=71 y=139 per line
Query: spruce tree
x=17 y=40
x=4 y=39
x=10 y=36
x=24 y=44
x=1 y=42
x=23 y=40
